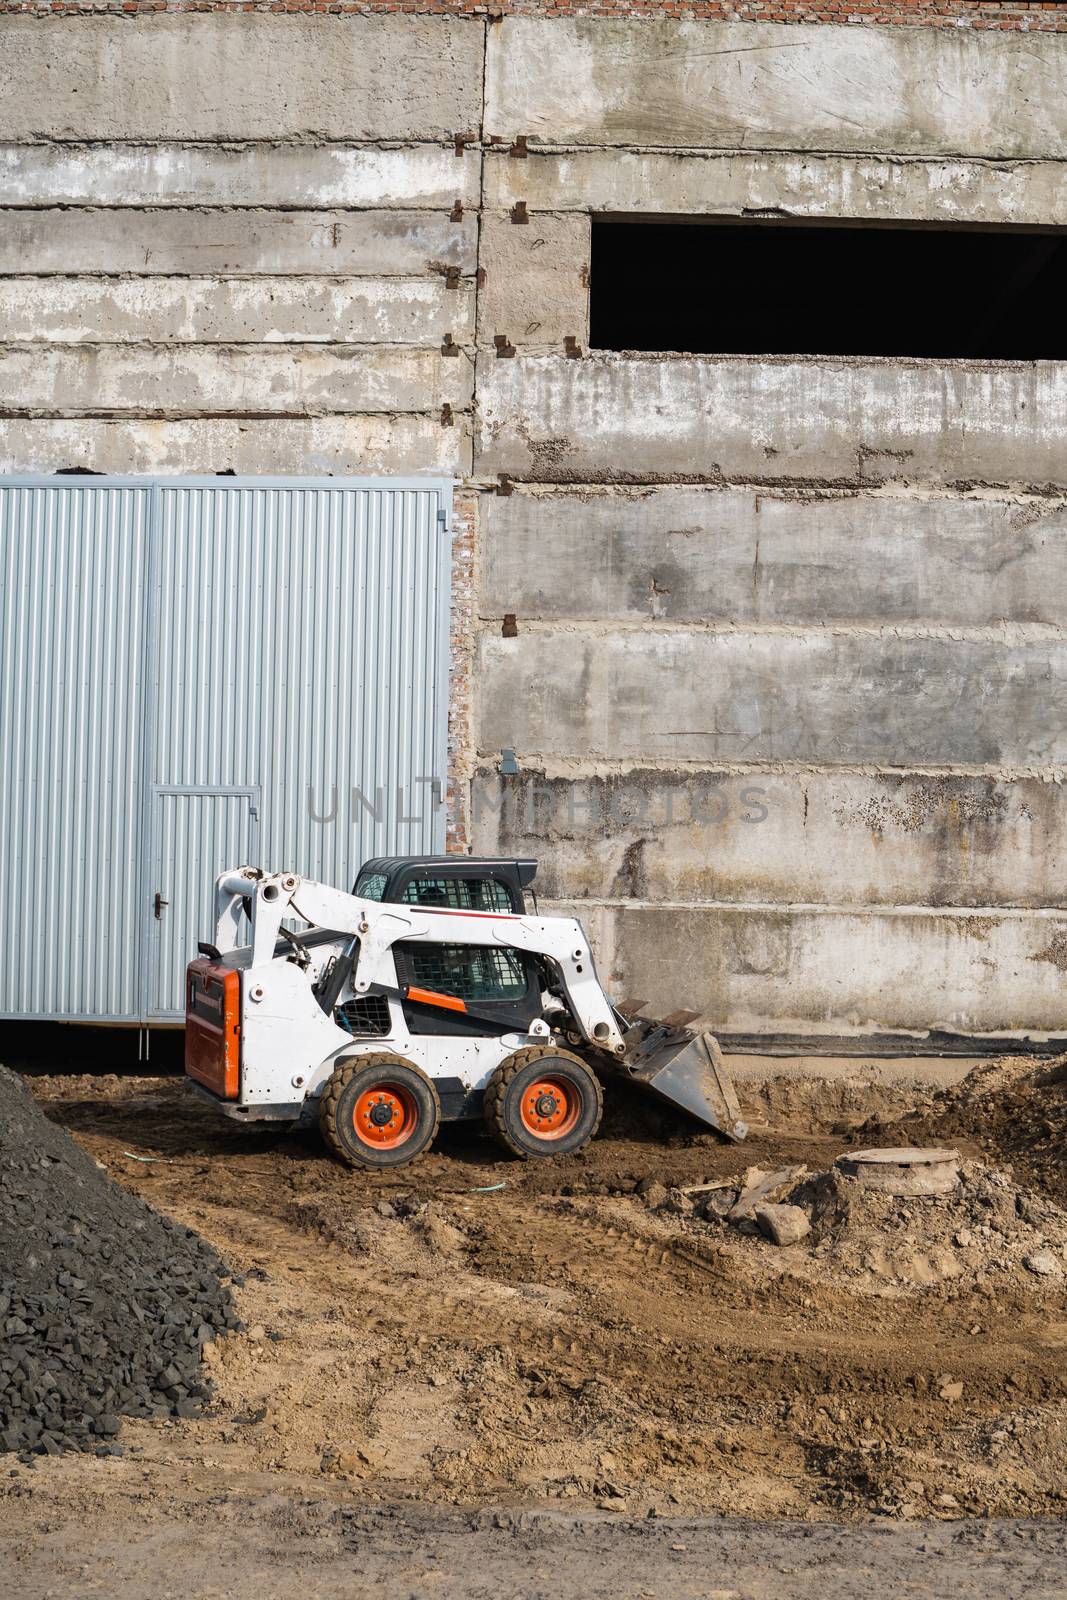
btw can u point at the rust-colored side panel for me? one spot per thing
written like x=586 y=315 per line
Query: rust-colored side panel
x=213 y=1027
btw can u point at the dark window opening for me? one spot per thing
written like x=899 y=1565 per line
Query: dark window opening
x=722 y=288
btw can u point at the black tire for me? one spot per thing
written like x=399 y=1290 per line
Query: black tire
x=567 y=1110
x=356 y=1132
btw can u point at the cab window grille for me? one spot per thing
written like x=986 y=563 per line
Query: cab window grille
x=367 y=1016
x=458 y=894
x=466 y=971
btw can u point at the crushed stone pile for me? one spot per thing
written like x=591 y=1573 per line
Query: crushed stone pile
x=105 y=1306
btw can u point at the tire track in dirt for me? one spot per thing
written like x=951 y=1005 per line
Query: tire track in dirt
x=547 y=1339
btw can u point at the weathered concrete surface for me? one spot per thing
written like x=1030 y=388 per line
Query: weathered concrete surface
x=756 y=970
x=675 y=82
x=746 y=183
x=682 y=554
x=536 y=281
x=285 y=310
x=212 y=380
x=374 y=446
x=428 y=177
x=825 y=697
x=779 y=837
x=240 y=77
x=196 y=241
x=827 y=420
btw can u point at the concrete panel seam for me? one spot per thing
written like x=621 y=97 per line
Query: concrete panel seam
x=1051 y=913
x=769 y=152
x=86 y=142
x=549 y=765
x=789 y=492
x=606 y=360
x=467 y=280
x=284 y=207
x=165 y=414
x=194 y=207
x=1047 y=490
x=994 y=633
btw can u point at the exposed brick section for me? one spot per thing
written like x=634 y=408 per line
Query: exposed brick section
x=1014 y=15
x=461 y=653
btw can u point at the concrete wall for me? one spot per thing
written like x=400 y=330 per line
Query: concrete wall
x=240 y=77
x=783 y=637
x=800 y=558
x=778 y=644
x=824 y=421
x=218 y=226
x=680 y=84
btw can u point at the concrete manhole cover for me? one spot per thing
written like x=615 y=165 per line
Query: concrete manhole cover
x=903 y=1169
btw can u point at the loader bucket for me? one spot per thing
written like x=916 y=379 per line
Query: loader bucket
x=685 y=1069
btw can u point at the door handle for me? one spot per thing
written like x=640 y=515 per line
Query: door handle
x=158 y=905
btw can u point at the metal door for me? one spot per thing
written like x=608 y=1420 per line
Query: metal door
x=73 y=578
x=211 y=638
x=195 y=833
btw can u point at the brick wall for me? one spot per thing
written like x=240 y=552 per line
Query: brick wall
x=1047 y=16
x=461 y=665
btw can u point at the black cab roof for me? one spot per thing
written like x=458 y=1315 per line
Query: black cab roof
x=524 y=867
x=483 y=883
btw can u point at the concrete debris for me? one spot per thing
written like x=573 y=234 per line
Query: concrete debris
x=718 y=1203
x=758 y=1186
x=1044 y=1264
x=782 y=1224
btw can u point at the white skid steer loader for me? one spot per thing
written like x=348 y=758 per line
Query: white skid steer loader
x=429 y=993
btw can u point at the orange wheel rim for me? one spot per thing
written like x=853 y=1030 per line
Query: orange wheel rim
x=385 y=1116
x=550 y=1107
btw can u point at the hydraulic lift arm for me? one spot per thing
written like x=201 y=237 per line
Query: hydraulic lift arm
x=272 y=899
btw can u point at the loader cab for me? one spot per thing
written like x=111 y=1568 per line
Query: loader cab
x=494 y=983
x=449 y=883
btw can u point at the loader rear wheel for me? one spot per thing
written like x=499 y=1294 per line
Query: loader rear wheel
x=378 y=1111
x=542 y=1101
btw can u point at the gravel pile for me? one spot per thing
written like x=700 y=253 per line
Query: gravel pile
x=105 y=1306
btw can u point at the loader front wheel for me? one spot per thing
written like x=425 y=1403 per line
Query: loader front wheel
x=378 y=1111
x=542 y=1101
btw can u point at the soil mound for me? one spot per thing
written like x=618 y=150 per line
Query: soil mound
x=985 y=1233
x=105 y=1306
x=1013 y=1109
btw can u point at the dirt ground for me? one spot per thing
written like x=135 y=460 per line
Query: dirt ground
x=574 y=1337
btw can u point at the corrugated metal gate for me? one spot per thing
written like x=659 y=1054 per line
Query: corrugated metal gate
x=195 y=672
